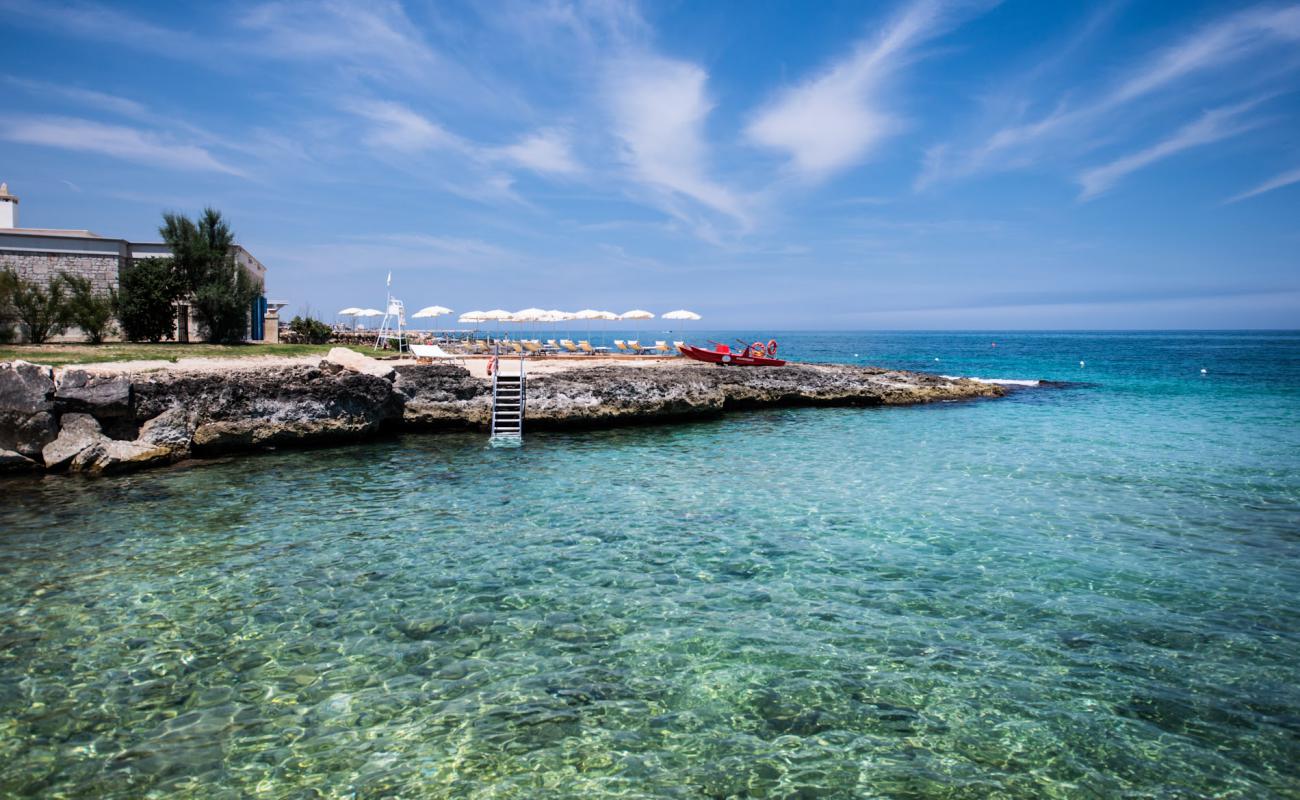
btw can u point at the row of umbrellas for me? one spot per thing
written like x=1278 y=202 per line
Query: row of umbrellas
x=528 y=314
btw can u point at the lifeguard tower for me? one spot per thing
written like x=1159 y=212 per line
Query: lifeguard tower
x=393 y=328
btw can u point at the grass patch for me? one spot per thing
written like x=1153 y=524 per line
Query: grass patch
x=58 y=355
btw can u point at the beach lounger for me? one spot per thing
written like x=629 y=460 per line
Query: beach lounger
x=532 y=346
x=661 y=347
x=553 y=345
x=635 y=346
x=434 y=353
x=569 y=345
x=677 y=348
x=585 y=346
x=621 y=346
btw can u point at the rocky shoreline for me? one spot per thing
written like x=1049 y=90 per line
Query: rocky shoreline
x=76 y=420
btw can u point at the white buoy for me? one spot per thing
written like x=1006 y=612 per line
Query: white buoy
x=1081 y=365
x=1203 y=372
x=936 y=359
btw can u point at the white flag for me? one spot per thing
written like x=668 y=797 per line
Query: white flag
x=390 y=277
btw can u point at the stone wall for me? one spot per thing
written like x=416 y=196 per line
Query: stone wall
x=44 y=267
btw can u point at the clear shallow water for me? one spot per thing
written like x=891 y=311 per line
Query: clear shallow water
x=1074 y=592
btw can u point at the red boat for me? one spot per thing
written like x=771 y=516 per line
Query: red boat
x=723 y=356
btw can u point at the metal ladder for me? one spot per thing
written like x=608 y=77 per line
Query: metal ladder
x=509 y=393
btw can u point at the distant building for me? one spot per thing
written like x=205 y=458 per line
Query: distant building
x=40 y=254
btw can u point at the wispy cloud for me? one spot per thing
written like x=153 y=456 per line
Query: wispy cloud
x=659 y=108
x=834 y=120
x=375 y=35
x=83 y=98
x=1276 y=182
x=1212 y=126
x=545 y=151
x=118 y=141
x=1070 y=127
x=103 y=23
x=397 y=127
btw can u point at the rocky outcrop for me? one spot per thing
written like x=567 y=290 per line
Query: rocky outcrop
x=82 y=422
x=613 y=395
x=27 y=421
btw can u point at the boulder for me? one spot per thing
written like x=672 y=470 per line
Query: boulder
x=351 y=359
x=26 y=406
x=104 y=396
x=77 y=432
x=113 y=455
x=442 y=396
x=26 y=388
x=11 y=463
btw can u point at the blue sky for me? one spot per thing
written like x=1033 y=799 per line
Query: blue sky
x=821 y=165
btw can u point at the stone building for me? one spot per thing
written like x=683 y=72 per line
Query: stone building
x=40 y=254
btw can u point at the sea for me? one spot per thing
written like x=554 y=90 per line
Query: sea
x=1088 y=588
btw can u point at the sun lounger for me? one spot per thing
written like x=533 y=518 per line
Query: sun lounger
x=635 y=346
x=621 y=345
x=434 y=353
x=585 y=346
x=662 y=347
x=677 y=348
x=532 y=345
x=569 y=345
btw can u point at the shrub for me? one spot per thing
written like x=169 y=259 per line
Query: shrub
x=145 y=299
x=310 y=330
x=87 y=309
x=40 y=309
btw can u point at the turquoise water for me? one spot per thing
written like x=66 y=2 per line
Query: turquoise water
x=1086 y=591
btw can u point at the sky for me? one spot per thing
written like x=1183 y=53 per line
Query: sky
x=830 y=165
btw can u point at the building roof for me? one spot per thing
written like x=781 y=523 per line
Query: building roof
x=52 y=232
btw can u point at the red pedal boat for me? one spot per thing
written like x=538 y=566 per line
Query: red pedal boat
x=723 y=356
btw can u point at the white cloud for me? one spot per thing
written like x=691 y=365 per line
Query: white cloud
x=84 y=98
x=546 y=151
x=1072 y=127
x=376 y=35
x=118 y=141
x=1275 y=182
x=396 y=127
x=1212 y=126
x=659 y=107
x=833 y=121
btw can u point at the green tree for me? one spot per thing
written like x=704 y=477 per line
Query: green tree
x=205 y=271
x=40 y=310
x=146 y=300
x=224 y=300
x=86 y=308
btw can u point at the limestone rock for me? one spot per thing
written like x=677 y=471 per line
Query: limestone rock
x=351 y=359
x=442 y=396
x=26 y=406
x=25 y=388
x=77 y=433
x=11 y=463
x=104 y=396
x=113 y=455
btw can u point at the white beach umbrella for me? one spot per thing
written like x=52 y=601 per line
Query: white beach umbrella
x=636 y=314
x=430 y=312
x=350 y=311
x=682 y=313
x=472 y=316
x=497 y=314
x=370 y=312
